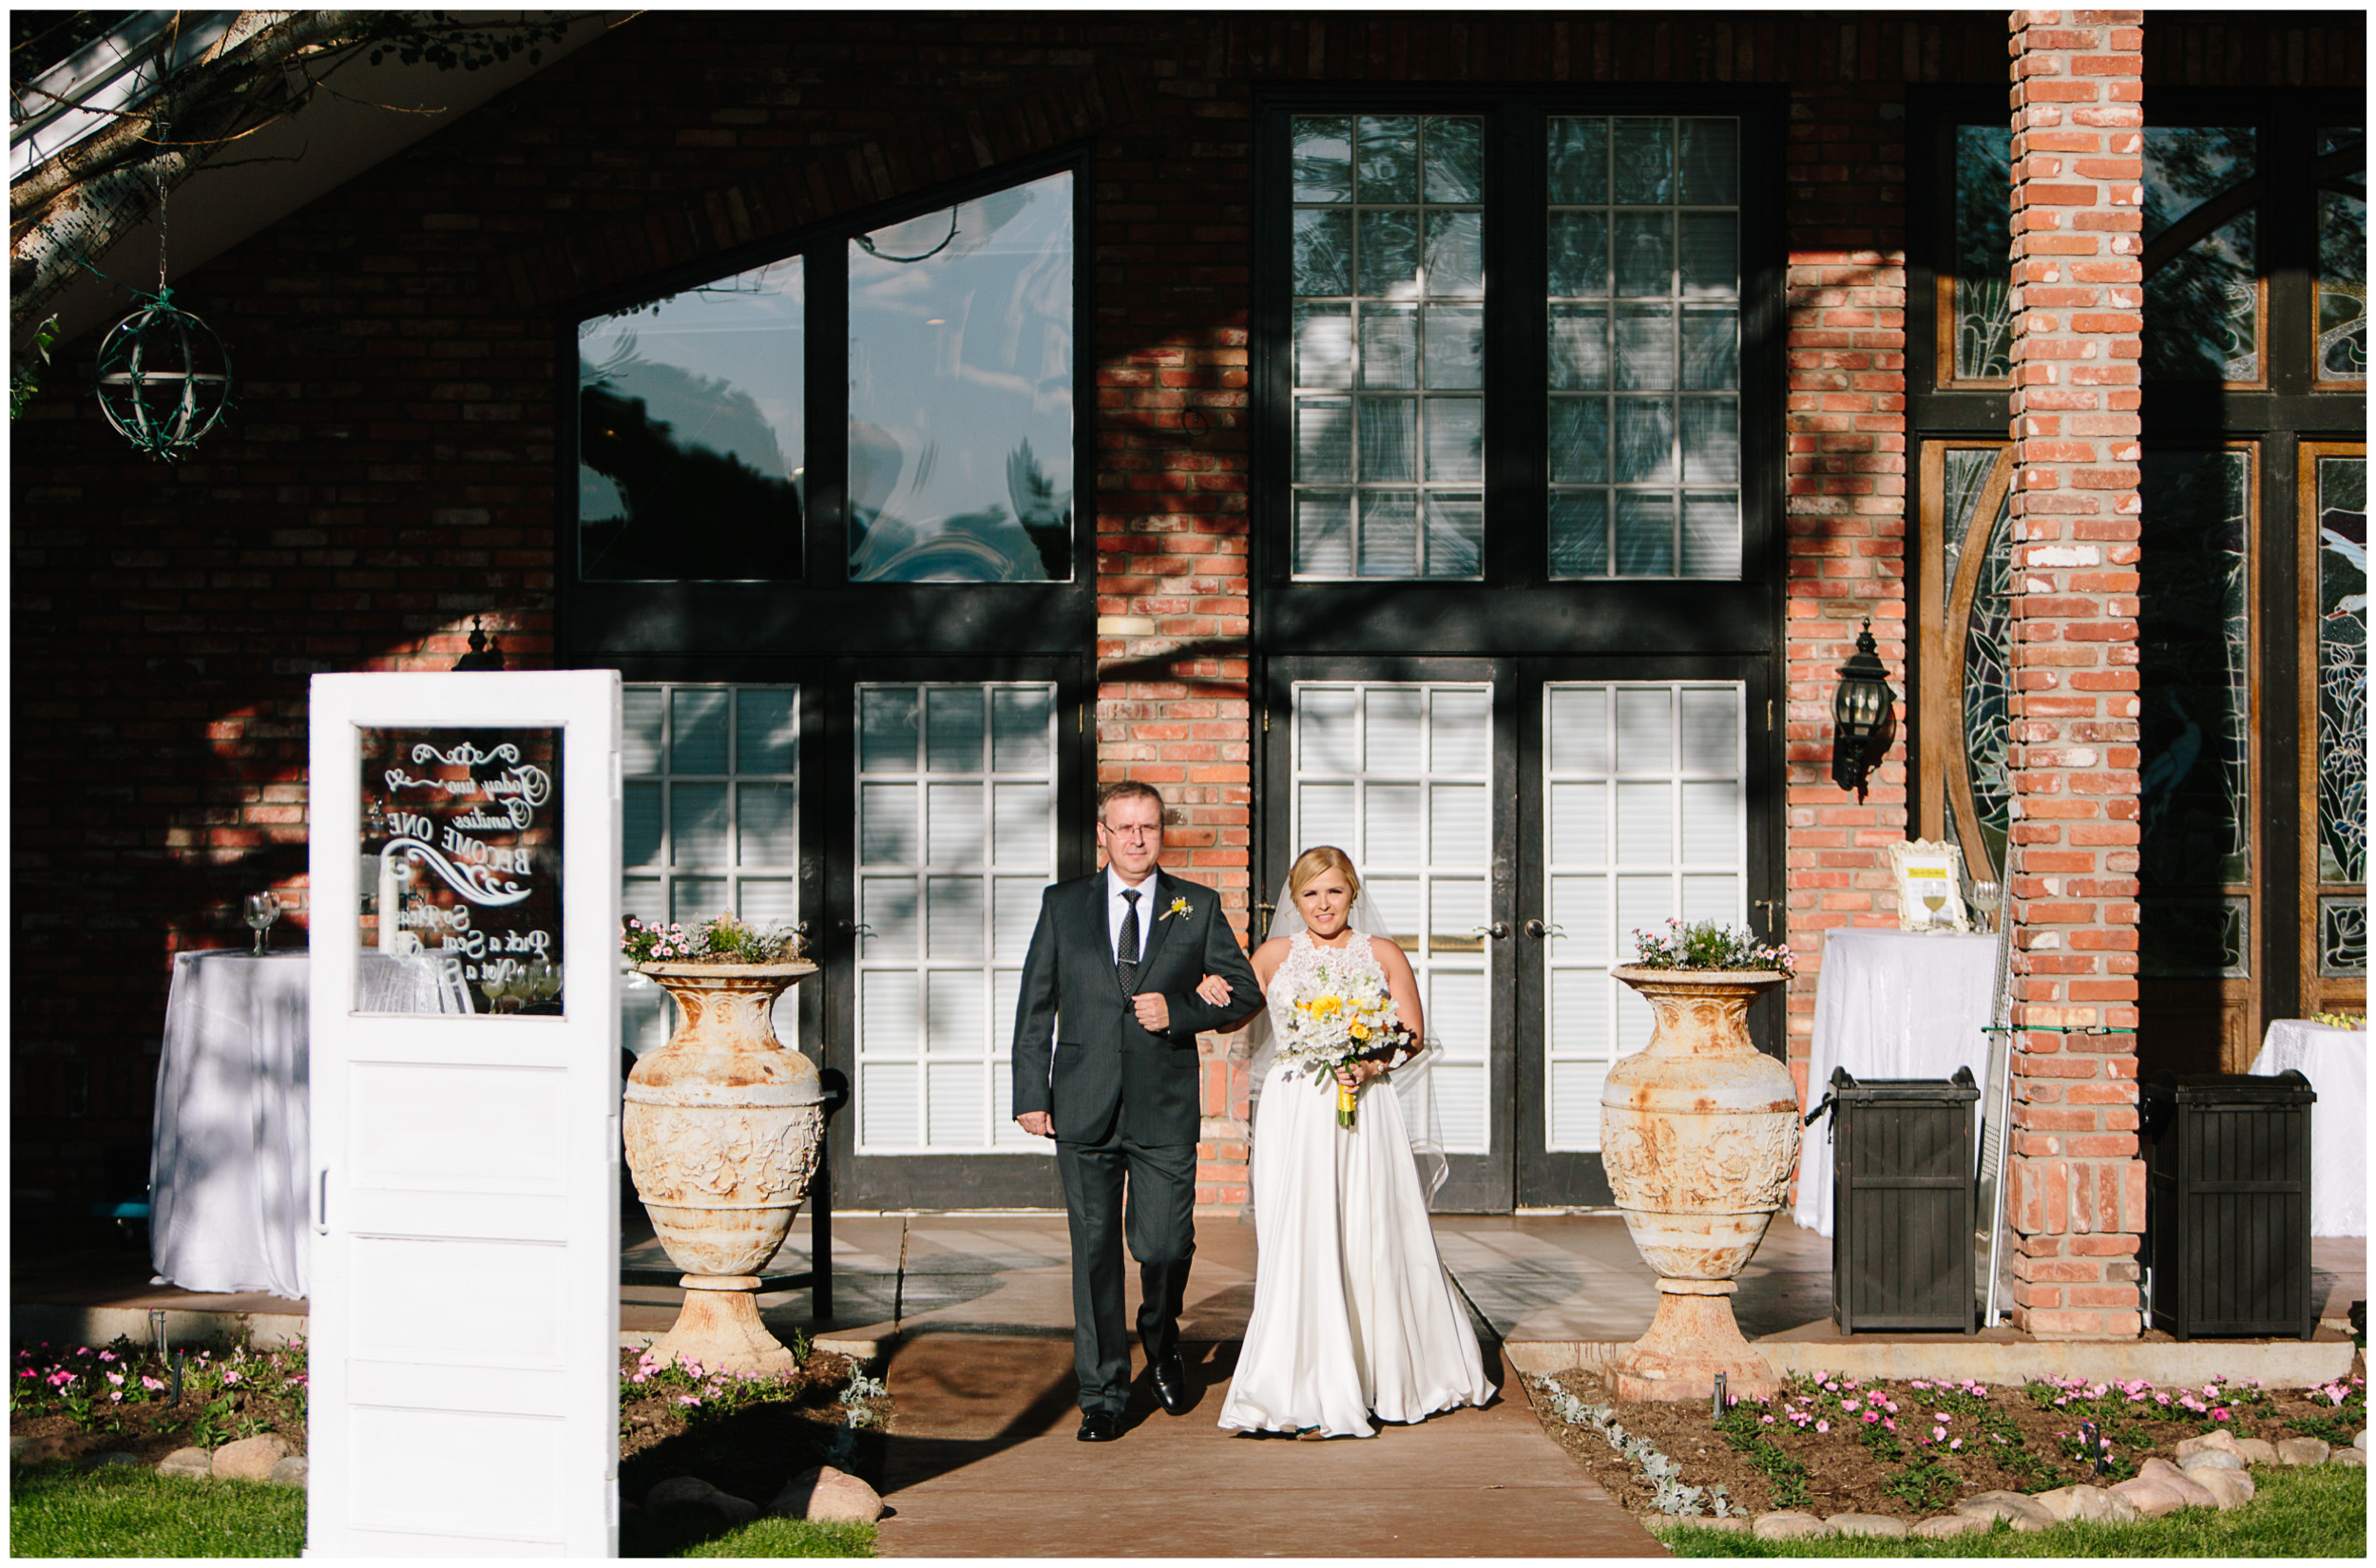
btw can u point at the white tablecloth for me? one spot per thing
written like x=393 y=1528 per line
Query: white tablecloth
x=1891 y=1005
x=229 y=1154
x=2335 y=1062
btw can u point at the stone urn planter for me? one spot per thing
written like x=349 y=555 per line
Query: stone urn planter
x=1698 y=1134
x=723 y=1127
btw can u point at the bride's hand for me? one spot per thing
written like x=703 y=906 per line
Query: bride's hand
x=1214 y=990
x=1356 y=1074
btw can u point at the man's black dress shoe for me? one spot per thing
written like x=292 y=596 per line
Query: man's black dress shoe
x=1171 y=1384
x=1099 y=1427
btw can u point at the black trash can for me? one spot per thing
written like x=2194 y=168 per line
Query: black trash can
x=1905 y=1171
x=2227 y=1204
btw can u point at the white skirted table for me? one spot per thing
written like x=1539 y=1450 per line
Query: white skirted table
x=229 y=1152
x=1891 y=1004
x=2335 y=1062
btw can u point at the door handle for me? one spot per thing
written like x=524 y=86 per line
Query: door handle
x=1537 y=930
x=321 y=1202
x=852 y=928
x=1498 y=931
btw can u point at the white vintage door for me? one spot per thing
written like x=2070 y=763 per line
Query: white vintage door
x=464 y=1314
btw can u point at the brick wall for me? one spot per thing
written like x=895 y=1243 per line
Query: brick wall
x=2077 y=1186
x=1845 y=214
x=390 y=473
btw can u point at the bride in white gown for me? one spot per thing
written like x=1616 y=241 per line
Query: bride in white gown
x=1353 y=1315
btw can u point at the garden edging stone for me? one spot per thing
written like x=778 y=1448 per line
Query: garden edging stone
x=290 y=1472
x=1790 y=1524
x=196 y=1463
x=2089 y=1505
x=1941 y=1526
x=2303 y=1450
x=1884 y=1525
x=2023 y=1512
x=2190 y=1492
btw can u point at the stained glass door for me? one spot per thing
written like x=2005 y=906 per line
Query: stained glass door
x=2334 y=727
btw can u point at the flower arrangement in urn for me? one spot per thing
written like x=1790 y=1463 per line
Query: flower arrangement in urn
x=723 y=1125
x=1698 y=1135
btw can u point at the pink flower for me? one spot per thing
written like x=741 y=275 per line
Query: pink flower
x=1954 y=1443
x=1823 y=1426
x=1764 y=1421
x=116 y=1378
x=1888 y=1426
x=1848 y=1405
x=688 y=1399
x=116 y=1398
x=1871 y=1416
x=106 y=1355
x=1938 y=1433
x=152 y=1383
x=2219 y=1414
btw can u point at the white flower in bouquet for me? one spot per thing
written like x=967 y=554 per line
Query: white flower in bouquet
x=1337 y=1017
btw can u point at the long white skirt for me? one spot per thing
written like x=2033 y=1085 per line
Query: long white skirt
x=1353 y=1313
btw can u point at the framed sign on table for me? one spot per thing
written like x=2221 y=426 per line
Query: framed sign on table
x=1930 y=885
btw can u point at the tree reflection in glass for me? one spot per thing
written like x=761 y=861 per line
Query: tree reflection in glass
x=961 y=391
x=2202 y=304
x=690 y=413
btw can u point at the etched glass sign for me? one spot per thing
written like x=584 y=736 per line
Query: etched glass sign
x=461 y=888
x=2342 y=348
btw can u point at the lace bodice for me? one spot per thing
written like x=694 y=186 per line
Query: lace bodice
x=1305 y=959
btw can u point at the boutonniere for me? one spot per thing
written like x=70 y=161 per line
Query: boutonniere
x=1179 y=907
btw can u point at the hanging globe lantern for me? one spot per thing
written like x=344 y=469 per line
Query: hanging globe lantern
x=164 y=379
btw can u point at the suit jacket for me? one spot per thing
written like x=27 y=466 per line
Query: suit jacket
x=1079 y=1052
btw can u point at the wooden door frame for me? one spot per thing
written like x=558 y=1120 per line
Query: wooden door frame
x=2318 y=993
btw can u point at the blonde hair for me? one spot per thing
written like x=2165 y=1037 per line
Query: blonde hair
x=1322 y=857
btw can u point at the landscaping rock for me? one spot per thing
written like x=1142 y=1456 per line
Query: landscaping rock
x=1940 y=1527
x=822 y=1492
x=2149 y=1498
x=2024 y=1513
x=187 y=1461
x=2360 y=1441
x=1868 y=1525
x=677 y=1491
x=2350 y=1458
x=289 y=1472
x=1727 y=1523
x=1788 y=1524
x=2228 y=1489
x=734 y=1510
x=2091 y=1505
x=36 y=1451
x=116 y=1461
x=2303 y=1452
x=2222 y=1441
x=250 y=1458
x=2256 y=1450
x=2210 y=1458
x=2167 y=1474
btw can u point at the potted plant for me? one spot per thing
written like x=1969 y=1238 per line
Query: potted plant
x=1698 y=1134
x=723 y=1126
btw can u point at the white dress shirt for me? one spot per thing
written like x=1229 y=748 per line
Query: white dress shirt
x=1116 y=907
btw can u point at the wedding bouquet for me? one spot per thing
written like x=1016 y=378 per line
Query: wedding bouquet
x=1334 y=1020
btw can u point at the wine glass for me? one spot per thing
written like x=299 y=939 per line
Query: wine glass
x=261 y=912
x=544 y=981
x=1986 y=896
x=1934 y=903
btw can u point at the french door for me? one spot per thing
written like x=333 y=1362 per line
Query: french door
x=1515 y=821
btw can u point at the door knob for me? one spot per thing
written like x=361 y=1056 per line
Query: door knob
x=1499 y=929
x=1538 y=929
x=854 y=928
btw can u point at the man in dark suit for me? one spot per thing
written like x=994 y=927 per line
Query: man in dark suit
x=1106 y=1063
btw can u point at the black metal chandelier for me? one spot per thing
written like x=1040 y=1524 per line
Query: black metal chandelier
x=164 y=379
x=1863 y=717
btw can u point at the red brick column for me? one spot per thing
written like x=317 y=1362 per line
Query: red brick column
x=1845 y=515
x=2076 y=1184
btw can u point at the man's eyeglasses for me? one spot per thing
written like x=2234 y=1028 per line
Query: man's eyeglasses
x=1134 y=831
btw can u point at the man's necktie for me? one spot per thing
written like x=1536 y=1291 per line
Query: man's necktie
x=1127 y=951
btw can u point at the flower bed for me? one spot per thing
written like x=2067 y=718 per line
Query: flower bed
x=1912 y=1447
x=76 y=1402
x=746 y=1435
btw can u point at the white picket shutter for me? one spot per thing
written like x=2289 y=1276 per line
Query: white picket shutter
x=464 y=1308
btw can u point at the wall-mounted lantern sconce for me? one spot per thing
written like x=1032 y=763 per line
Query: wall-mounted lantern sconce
x=486 y=653
x=1863 y=717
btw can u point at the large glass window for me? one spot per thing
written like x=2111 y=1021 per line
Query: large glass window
x=961 y=391
x=2202 y=255
x=1644 y=282
x=1388 y=345
x=690 y=414
x=953 y=380
x=709 y=820
x=2340 y=699
x=2342 y=351
x=956 y=841
x=1977 y=287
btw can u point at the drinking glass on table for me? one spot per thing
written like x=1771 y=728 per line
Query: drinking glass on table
x=262 y=910
x=1987 y=897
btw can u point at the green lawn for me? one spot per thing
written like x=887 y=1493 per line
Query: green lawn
x=2318 y=1511
x=128 y=1511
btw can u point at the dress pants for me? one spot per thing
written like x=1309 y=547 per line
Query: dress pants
x=1159 y=1221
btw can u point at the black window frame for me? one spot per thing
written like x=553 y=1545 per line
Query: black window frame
x=824 y=612
x=1518 y=608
